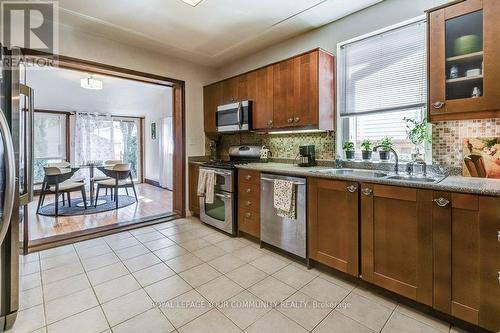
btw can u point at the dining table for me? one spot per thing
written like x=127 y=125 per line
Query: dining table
x=91 y=166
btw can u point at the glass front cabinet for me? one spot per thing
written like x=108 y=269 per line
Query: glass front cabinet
x=464 y=66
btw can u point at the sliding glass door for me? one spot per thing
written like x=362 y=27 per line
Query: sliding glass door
x=126 y=143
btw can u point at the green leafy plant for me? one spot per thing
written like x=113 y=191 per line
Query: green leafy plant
x=386 y=143
x=348 y=146
x=417 y=132
x=367 y=145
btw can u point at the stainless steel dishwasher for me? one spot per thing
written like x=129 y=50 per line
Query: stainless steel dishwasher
x=283 y=233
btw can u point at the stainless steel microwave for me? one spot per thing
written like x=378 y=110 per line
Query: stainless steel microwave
x=234 y=117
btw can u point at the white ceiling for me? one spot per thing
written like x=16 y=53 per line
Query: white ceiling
x=213 y=33
x=59 y=89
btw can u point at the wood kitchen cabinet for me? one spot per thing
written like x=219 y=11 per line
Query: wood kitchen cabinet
x=396 y=234
x=260 y=92
x=212 y=98
x=463 y=60
x=249 y=202
x=194 y=201
x=333 y=228
x=467 y=257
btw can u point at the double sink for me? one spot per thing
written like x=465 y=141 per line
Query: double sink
x=379 y=174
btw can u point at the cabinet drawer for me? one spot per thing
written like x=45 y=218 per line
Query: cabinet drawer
x=246 y=177
x=249 y=203
x=249 y=222
x=248 y=192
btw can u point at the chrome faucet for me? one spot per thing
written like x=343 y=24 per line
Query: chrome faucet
x=409 y=167
x=396 y=166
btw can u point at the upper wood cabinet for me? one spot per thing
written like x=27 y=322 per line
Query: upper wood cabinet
x=396 y=234
x=333 y=229
x=212 y=97
x=294 y=93
x=463 y=60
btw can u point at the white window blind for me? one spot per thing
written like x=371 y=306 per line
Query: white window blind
x=384 y=72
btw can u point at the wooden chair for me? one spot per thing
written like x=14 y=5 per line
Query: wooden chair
x=56 y=182
x=107 y=164
x=120 y=177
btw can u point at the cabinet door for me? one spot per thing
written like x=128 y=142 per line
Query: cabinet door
x=305 y=81
x=284 y=91
x=396 y=249
x=194 y=202
x=230 y=90
x=333 y=224
x=463 y=66
x=212 y=97
x=260 y=91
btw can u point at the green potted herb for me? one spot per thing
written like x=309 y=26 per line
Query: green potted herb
x=349 y=150
x=366 y=149
x=418 y=133
x=385 y=150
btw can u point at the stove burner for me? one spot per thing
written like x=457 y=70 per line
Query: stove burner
x=226 y=164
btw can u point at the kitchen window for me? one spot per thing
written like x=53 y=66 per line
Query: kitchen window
x=381 y=81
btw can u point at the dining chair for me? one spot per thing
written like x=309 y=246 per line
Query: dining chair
x=56 y=181
x=108 y=163
x=120 y=177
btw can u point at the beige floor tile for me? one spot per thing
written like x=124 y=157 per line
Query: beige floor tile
x=153 y=274
x=30 y=298
x=65 y=287
x=152 y=321
x=61 y=260
x=89 y=321
x=127 y=306
x=294 y=276
x=31 y=257
x=268 y=264
x=199 y=275
x=170 y=252
x=167 y=289
x=247 y=275
x=57 y=251
x=30 y=281
x=29 y=320
x=69 y=305
x=338 y=323
x=344 y=283
x=248 y=253
x=424 y=318
x=374 y=296
x=122 y=242
x=275 y=322
x=133 y=251
x=226 y=263
x=61 y=272
x=324 y=291
x=305 y=310
x=89 y=243
x=141 y=262
x=271 y=290
x=183 y=237
x=365 y=311
x=186 y=307
x=184 y=262
x=244 y=309
x=107 y=273
x=158 y=244
x=93 y=251
x=195 y=244
x=149 y=236
x=230 y=245
x=216 y=237
x=116 y=237
x=219 y=289
x=399 y=323
x=90 y=264
x=210 y=322
x=454 y=329
x=28 y=268
x=209 y=253
x=116 y=288
x=141 y=231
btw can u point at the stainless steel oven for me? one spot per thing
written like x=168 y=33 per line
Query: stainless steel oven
x=234 y=117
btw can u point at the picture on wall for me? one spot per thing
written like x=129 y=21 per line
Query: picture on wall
x=153 y=131
x=481 y=157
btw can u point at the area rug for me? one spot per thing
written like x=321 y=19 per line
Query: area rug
x=49 y=209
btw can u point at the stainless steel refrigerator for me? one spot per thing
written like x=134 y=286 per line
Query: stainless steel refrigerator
x=16 y=176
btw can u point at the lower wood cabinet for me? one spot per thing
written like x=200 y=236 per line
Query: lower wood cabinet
x=249 y=202
x=396 y=234
x=194 y=201
x=333 y=224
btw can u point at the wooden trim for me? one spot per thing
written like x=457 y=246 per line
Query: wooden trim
x=444 y=5
x=152 y=182
x=142 y=149
x=179 y=158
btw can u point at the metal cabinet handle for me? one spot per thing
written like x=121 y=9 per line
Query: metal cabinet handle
x=270 y=123
x=10 y=176
x=248 y=177
x=441 y=202
x=248 y=203
x=438 y=104
x=248 y=214
x=367 y=191
x=248 y=190
x=290 y=120
x=352 y=188
x=498 y=236
x=297 y=119
x=499 y=277
x=30 y=153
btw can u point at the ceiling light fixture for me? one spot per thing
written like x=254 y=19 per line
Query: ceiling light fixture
x=91 y=83
x=193 y=3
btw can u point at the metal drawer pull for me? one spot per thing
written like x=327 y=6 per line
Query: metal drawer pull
x=248 y=190
x=498 y=236
x=352 y=188
x=248 y=214
x=438 y=104
x=297 y=119
x=248 y=203
x=248 y=177
x=290 y=120
x=441 y=202
x=367 y=191
x=498 y=277
x=272 y=180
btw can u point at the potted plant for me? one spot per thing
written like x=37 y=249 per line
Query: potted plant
x=385 y=151
x=366 y=149
x=349 y=150
x=418 y=133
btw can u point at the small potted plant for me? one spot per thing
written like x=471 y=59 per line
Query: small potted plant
x=349 y=150
x=366 y=149
x=417 y=132
x=385 y=151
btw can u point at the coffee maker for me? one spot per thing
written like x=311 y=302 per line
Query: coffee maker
x=307 y=156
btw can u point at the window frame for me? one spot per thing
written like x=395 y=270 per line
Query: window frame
x=343 y=127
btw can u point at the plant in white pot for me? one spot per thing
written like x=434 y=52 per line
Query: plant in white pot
x=349 y=150
x=366 y=149
x=385 y=151
x=418 y=133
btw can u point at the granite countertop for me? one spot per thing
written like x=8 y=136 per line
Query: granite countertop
x=451 y=183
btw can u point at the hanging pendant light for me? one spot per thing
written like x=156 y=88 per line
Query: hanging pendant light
x=91 y=83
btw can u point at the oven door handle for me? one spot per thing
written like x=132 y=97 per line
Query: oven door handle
x=10 y=176
x=222 y=196
x=272 y=180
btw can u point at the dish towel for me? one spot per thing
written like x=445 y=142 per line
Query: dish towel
x=206 y=185
x=284 y=198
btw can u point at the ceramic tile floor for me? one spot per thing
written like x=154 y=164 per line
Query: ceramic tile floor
x=181 y=276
